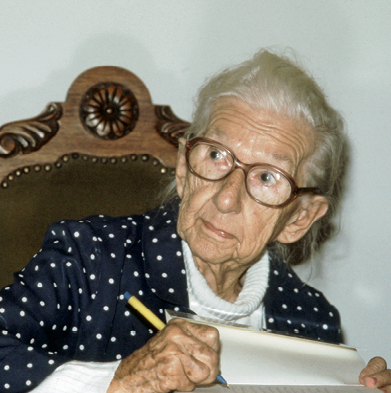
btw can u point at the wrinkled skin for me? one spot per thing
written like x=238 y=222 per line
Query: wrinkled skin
x=227 y=231
x=376 y=375
x=179 y=357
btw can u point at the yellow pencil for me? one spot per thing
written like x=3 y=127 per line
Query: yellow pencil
x=155 y=321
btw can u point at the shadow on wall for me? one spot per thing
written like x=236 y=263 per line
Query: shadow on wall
x=105 y=49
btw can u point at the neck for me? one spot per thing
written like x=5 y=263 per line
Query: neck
x=226 y=280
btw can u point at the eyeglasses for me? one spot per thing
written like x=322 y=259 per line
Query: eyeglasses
x=266 y=184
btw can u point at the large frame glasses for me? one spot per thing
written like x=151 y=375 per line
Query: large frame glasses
x=267 y=184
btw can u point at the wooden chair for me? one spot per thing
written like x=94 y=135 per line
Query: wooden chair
x=105 y=150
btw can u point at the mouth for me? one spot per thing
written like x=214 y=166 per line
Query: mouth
x=217 y=232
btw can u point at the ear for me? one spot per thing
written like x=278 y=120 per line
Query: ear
x=181 y=167
x=310 y=210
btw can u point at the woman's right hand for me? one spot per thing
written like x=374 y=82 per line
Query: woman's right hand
x=179 y=357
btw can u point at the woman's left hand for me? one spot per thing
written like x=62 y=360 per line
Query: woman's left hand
x=376 y=375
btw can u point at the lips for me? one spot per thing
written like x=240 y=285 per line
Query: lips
x=218 y=232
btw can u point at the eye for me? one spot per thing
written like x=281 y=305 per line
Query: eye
x=215 y=155
x=267 y=178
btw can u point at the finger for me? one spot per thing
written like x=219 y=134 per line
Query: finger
x=205 y=333
x=201 y=367
x=378 y=380
x=374 y=366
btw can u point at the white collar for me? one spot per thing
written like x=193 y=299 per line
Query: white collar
x=249 y=299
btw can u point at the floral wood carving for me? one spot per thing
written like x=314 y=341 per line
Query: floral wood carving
x=27 y=136
x=169 y=126
x=109 y=110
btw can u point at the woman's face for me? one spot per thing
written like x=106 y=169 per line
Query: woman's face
x=219 y=220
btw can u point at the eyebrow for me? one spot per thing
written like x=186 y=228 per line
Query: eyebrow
x=215 y=132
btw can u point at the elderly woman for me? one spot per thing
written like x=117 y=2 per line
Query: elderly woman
x=258 y=177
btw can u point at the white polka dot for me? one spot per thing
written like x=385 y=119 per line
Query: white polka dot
x=159 y=257
x=112 y=255
x=171 y=290
x=98 y=336
x=111 y=281
x=151 y=228
x=111 y=235
x=76 y=234
x=280 y=289
x=140 y=292
x=88 y=318
x=24 y=299
x=106 y=308
x=284 y=306
x=331 y=314
x=316 y=309
x=296 y=290
x=28 y=382
x=118 y=357
x=154 y=240
x=6 y=367
x=22 y=313
x=92 y=277
x=65 y=347
x=39 y=285
x=271 y=320
x=174 y=236
x=51 y=361
x=164 y=275
x=136 y=274
x=179 y=254
x=29 y=365
x=92 y=257
x=325 y=327
x=132 y=332
x=81 y=347
x=42 y=303
x=52 y=265
x=113 y=339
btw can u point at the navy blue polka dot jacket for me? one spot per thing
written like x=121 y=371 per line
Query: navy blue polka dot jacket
x=68 y=303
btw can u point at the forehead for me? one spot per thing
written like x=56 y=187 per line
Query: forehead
x=259 y=136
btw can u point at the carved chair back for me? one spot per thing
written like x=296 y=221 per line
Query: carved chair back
x=105 y=150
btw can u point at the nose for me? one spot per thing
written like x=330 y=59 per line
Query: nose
x=230 y=193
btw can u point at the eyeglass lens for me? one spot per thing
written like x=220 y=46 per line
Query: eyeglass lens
x=263 y=183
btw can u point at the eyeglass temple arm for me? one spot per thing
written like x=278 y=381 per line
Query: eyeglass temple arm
x=308 y=190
